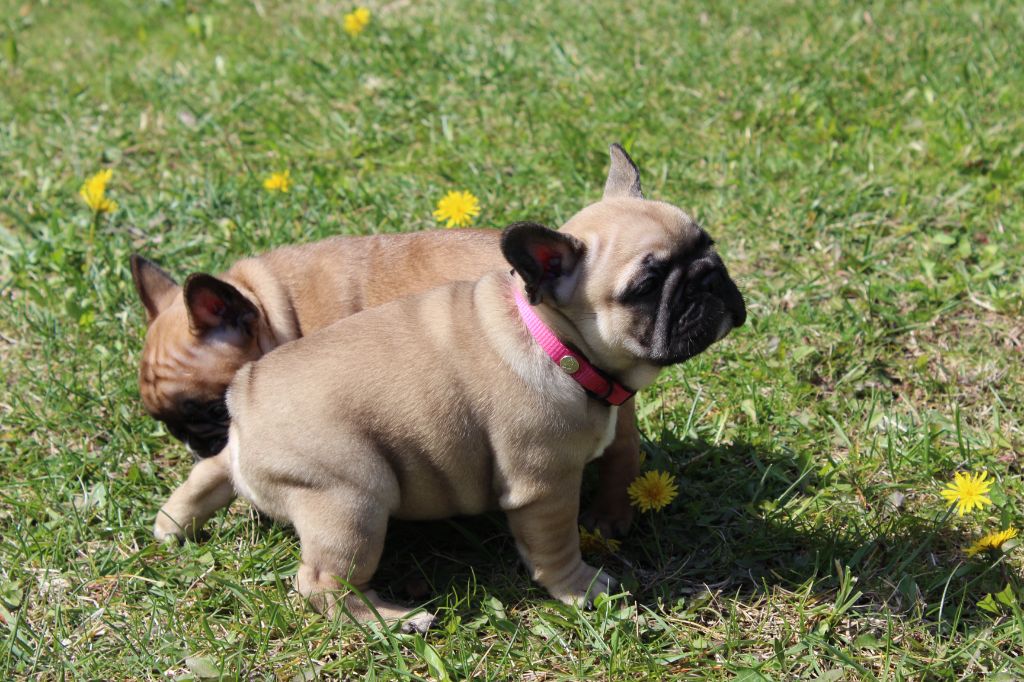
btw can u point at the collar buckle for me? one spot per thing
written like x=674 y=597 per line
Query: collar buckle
x=570 y=364
x=593 y=380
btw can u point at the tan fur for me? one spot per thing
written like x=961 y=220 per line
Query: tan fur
x=301 y=289
x=442 y=403
x=298 y=290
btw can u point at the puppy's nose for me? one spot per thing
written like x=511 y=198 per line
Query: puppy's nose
x=710 y=281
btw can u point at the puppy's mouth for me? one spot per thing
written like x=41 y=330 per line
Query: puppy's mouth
x=702 y=321
x=206 y=448
x=202 y=440
x=695 y=329
x=201 y=427
x=725 y=326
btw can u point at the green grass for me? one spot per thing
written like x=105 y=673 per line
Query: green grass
x=860 y=166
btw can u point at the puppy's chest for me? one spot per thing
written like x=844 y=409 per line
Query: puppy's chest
x=584 y=437
x=608 y=435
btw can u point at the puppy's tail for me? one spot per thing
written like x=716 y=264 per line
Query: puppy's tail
x=239 y=389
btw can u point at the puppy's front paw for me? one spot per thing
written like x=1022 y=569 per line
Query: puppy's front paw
x=612 y=520
x=420 y=623
x=583 y=586
x=166 y=529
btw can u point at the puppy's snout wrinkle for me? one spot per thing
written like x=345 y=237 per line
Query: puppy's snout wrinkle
x=710 y=277
x=711 y=282
x=703 y=275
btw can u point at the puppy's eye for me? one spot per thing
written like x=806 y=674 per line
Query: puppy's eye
x=646 y=286
x=649 y=280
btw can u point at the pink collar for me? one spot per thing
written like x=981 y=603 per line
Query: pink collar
x=597 y=383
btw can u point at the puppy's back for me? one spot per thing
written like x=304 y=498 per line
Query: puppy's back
x=391 y=265
x=391 y=381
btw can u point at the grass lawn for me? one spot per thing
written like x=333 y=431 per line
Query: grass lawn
x=861 y=167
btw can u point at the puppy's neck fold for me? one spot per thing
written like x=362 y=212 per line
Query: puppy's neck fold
x=635 y=375
x=278 y=322
x=597 y=383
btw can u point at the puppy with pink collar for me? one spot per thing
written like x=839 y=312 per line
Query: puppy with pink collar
x=478 y=395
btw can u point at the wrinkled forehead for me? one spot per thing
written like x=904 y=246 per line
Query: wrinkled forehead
x=622 y=233
x=166 y=360
x=164 y=330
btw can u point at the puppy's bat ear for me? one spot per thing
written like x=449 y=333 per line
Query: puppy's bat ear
x=213 y=304
x=156 y=288
x=623 y=176
x=548 y=261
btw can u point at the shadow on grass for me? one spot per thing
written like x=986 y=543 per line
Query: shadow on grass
x=747 y=521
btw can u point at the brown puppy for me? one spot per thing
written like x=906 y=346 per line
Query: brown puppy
x=200 y=335
x=445 y=403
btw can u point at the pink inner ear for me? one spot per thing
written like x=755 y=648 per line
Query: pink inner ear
x=549 y=259
x=208 y=308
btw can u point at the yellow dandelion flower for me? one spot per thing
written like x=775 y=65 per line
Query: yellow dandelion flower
x=278 y=182
x=458 y=208
x=653 y=491
x=967 y=492
x=94 y=192
x=596 y=544
x=992 y=541
x=356 y=21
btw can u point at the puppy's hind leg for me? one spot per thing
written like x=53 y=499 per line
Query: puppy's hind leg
x=207 y=489
x=342 y=536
